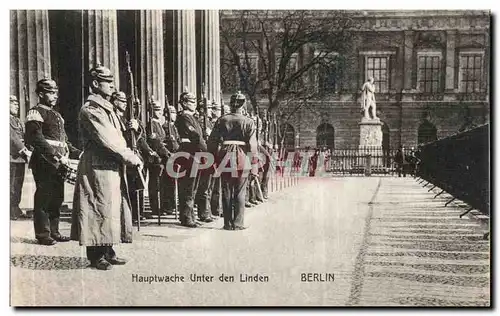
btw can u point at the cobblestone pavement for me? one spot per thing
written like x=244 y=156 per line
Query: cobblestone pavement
x=385 y=239
x=417 y=252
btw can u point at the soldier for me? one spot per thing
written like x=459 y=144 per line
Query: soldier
x=101 y=207
x=203 y=192
x=236 y=135
x=167 y=197
x=45 y=132
x=157 y=176
x=253 y=194
x=19 y=156
x=191 y=141
x=119 y=100
x=215 y=183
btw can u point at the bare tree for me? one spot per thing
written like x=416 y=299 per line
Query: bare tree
x=268 y=54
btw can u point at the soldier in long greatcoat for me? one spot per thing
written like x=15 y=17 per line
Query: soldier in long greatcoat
x=101 y=206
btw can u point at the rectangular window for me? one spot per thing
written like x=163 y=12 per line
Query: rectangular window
x=429 y=72
x=471 y=72
x=250 y=70
x=378 y=68
x=291 y=67
x=326 y=73
x=327 y=79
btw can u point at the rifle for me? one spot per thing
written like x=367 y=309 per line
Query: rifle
x=205 y=110
x=131 y=102
x=149 y=115
x=221 y=105
x=166 y=111
x=27 y=102
x=137 y=102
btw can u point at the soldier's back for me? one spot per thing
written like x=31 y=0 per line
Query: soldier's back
x=235 y=126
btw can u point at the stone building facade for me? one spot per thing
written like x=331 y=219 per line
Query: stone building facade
x=170 y=51
x=431 y=71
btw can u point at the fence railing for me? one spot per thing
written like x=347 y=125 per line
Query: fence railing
x=459 y=165
x=355 y=161
x=362 y=161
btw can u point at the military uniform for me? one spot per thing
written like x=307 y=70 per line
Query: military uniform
x=236 y=135
x=203 y=192
x=168 y=185
x=101 y=214
x=45 y=133
x=191 y=141
x=157 y=176
x=144 y=152
x=18 y=161
x=215 y=182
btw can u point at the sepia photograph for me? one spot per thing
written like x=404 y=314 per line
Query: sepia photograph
x=250 y=158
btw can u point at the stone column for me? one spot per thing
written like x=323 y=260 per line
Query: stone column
x=408 y=60
x=208 y=51
x=152 y=74
x=100 y=41
x=29 y=53
x=450 y=60
x=185 y=44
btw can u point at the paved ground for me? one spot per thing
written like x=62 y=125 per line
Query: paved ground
x=386 y=240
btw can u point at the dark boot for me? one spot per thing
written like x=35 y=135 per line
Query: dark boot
x=112 y=258
x=96 y=255
x=47 y=241
x=54 y=231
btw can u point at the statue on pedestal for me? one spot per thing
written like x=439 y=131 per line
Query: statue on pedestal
x=368 y=105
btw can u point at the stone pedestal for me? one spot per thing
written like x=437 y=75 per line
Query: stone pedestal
x=370 y=144
x=370 y=133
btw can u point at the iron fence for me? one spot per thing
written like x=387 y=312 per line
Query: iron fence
x=359 y=161
x=459 y=165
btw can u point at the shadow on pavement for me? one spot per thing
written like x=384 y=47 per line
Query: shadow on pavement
x=42 y=262
x=23 y=240
x=173 y=225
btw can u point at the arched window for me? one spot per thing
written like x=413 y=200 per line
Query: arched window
x=427 y=132
x=288 y=132
x=325 y=136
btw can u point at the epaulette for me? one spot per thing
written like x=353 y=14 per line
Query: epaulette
x=34 y=115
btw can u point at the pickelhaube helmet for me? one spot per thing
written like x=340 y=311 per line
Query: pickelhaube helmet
x=13 y=98
x=215 y=106
x=46 y=85
x=101 y=73
x=120 y=96
x=237 y=100
x=188 y=101
x=156 y=105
